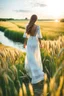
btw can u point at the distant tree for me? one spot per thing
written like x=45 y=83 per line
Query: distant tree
x=2 y=19
x=10 y=19
x=62 y=20
x=5 y=19
x=26 y=18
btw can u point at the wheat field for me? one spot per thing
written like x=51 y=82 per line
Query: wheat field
x=49 y=30
x=14 y=80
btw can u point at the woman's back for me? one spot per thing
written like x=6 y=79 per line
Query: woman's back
x=33 y=30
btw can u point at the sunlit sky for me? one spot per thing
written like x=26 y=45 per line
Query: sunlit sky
x=20 y=9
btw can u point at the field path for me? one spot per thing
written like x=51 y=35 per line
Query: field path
x=37 y=88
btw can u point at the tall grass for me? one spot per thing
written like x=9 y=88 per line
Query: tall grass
x=11 y=64
x=14 y=80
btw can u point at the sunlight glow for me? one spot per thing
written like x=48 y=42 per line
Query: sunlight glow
x=56 y=20
x=54 y=8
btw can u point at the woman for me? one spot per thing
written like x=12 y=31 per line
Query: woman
x=33 y=64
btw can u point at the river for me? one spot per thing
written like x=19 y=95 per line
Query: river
x=4 y=40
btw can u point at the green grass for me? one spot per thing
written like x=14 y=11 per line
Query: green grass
x=13 y=35
x=2 y=28
x=12 y=31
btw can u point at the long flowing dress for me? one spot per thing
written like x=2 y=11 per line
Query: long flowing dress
x=33 y=63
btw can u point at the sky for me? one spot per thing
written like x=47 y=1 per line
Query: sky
x=20 y=9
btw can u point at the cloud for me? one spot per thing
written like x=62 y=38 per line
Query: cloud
x=21 y=10
x=40 y=5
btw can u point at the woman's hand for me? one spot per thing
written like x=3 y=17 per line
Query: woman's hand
x=24 y=46
x=41 y=46
x=25 y=43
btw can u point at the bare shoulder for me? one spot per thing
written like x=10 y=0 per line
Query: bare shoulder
x=37 y=27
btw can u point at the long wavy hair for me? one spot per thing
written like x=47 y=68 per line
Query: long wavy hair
x=31 y=23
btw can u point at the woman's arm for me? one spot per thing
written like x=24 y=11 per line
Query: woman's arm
x=40 y=42
x=25 y=42
x=39 y=36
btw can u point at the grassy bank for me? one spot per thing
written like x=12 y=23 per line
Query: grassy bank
x=13 y=35
x=12 y=31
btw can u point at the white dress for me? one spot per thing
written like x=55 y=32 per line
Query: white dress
x=33 y=63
